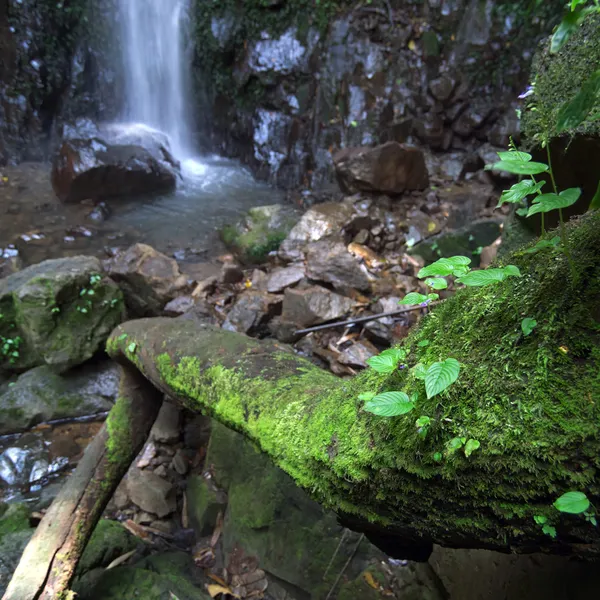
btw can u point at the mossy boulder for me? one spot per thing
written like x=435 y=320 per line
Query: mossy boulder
x=529 y=401
x=56 y=313
x=155 y=578
x=15 y=517
x=261 y=231
x=41 y=395
x=557 y=79
x=15 y=533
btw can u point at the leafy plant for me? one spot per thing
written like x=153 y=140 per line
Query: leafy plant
x=9 y=348
x=440 y=376
x=578 y=11
x=87 y=294
x=422 y=424
x=387 y=361
x=389 y=404
x=542 y=521
x=528 y=324
x=471 y=446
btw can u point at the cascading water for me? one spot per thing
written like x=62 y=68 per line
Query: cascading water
x=153 y=34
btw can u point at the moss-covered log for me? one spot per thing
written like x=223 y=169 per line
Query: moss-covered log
x=532 y=402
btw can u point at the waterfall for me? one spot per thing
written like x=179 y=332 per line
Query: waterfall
x=155 y=67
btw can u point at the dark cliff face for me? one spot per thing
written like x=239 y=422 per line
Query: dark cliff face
x=285 y=84
x=55 y=65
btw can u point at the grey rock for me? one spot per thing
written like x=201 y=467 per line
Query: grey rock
x=330 y=261
x=320 y=221
x=180 y=463
x=179 y=306
x=151 y=493
x=280 y=279
x=314 y=305
x=42 y=395
x=148 y=278
x=166 y=428
x=11 y=549
x=357 y=354
x=58 y=312
x=251 y=310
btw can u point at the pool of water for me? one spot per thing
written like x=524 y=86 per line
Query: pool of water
x=212 y=192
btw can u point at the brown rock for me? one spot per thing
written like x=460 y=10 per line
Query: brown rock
x=148 y=279
x=91 y=168
x=389 y=169
x=313 y=305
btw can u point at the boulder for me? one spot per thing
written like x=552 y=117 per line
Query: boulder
x=391 y=168
x=313 y=305
x=259 y=232
x=166 y=427
x=251 y=310
x=92 y=168
x=148 y=278
x=150 y=492
x=58 y=312
x=320 y=221
x=331 y=262
x=41 y=395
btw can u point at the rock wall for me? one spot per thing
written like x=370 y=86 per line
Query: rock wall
x=57 y=63
x=283 y=83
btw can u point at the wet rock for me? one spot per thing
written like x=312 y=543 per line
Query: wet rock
x=282 y=55
x=58 y=312
x=92 y=168
x=179 y=306
x=99 y=213
x=151 y=493
x=313 y=305
x=41 y=395
x=358 y=354
x=205 y=501
x=280 y=279
x=330 y=261
x=261 y=231
x=472 y=118
x=466 y=241
x=388 y=169
x=320 y=221
x=251 y=310
x=148 y=278
x=442 y=87
x=378 y=333
x=166 y=427
x=506 y=127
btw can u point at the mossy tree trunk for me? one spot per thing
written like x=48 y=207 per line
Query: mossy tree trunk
x=48 y=564
x=532 y=402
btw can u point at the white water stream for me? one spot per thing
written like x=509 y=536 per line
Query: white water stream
x=153 y=34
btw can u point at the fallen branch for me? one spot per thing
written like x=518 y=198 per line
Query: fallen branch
x=49 y=561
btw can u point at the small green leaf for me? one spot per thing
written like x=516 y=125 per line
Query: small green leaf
x=423 y=421
x=572 y=502
x=540 y=519
x=383 y=363
x=413 y=298
x=436 y=283
x=528 y=325
x=543 y=244
x=389 y=404
x=514 y=156
x=122 y=337
x=455 y=444
x=131 y=348
x=423 y=343
x=518 y=168
x=471 y=446
x=419 y=371
x=444 y=266
x=549 y=530
x=397 y=354
x=488 y=276
x=437 y=457
x=366 y=396
x=547 y=202
x=519 y=191
x=441 y=375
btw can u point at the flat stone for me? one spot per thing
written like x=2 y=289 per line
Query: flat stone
x=331 y=262
x=314 y=305
x=151 y=493
x=283 y=278
x=166 y=428
x=251 y=310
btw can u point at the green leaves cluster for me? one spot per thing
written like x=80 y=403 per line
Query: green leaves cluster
x=387 y=361
x=577 y=12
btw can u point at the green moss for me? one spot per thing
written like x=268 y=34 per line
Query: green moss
x=558 y=78
x=15 y=517
x=529 y=401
